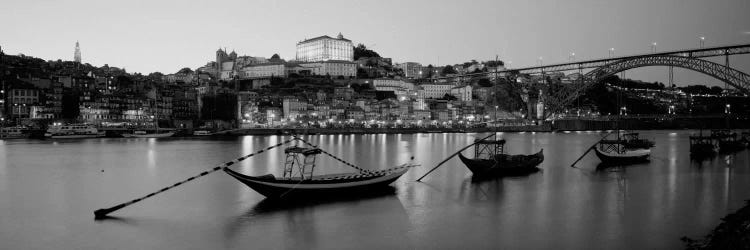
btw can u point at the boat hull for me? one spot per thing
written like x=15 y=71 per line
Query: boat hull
x=155 y=135
x=490 y=168
x=699 y=150
x=350 y=184
x=100 y=134
x=634 y=156
x=14 y=136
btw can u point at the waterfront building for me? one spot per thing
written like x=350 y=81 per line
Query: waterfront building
x=386 y=84
x=332 y=68
x=411 y=69
x=324 y=48
x=422 y=115
x=436 y=90
x=20 y=99
x=355 y=114
x=292 y=107
x=265 y=70
x=343 y=93
x=462 y=93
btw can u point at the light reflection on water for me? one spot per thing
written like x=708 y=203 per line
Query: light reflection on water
x=48 y=190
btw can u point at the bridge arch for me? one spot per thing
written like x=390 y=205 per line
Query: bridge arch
x=564 y=97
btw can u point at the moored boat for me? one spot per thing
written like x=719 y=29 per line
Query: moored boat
x=727 y=141
x=490 y=161
x=16 y=132
x=616 y=152
x=201 y=133
x=746 y=139
x=145 y=134
x=299 y=181
x=504 y=164
x=323 y=185
x=73 y=131
x=622 y=155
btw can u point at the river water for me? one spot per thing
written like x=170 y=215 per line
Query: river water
x=49 y=190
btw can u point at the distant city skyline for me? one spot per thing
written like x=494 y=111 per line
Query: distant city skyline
x=168 y=35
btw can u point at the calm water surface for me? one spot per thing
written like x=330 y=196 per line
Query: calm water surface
x=49 y=189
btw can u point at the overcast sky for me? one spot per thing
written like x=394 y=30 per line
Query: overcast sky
x=147 y=36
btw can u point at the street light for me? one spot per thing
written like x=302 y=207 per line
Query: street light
x=727 y=109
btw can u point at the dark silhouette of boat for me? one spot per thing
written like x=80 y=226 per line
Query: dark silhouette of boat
x=490 y=161
x=746 y=139
x=299 y=181
x=728 y=141
x=703 y=146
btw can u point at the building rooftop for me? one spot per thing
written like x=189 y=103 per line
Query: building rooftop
x=324 y=37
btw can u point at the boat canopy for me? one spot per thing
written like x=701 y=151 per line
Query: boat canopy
x=303 y=150
x=496 y=142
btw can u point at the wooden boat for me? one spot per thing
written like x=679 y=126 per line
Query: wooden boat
x=615 y=151
x=144 y=134
x=504 y=164
x=73 y=131
x=728 y=141
x=156 y=132
x=701 y=146
x=202 y=133
x=746 y=139
x=300 y=182
x=16 y=132
x=490 y=161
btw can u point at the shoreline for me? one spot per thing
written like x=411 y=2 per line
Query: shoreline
x=732 y=233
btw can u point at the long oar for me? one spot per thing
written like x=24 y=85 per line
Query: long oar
x=589 y=150
x=102 y=213
x=453 y=155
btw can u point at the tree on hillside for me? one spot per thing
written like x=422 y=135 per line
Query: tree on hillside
x=484 y=82
x=361 y=51
x=275 y=56
x=429 y=71
x=448 y=70
x=185 y=70
x=493 y=63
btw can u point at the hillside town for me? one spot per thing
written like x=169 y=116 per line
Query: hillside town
x=329 y=83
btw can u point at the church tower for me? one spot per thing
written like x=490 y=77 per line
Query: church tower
x=77 y=54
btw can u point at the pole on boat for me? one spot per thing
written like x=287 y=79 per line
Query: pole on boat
x=102 y=212
x=589 y=150
x=454 y=155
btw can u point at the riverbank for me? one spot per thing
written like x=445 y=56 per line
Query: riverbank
x=732 y=233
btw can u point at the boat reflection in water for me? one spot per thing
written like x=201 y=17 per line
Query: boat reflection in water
x=319 y=223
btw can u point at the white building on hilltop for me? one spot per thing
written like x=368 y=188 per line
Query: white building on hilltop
x=324 y=48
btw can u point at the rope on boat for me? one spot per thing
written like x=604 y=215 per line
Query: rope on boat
x=590 y=148
x=454 y=155
x=102 y=213
x=361 y=170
